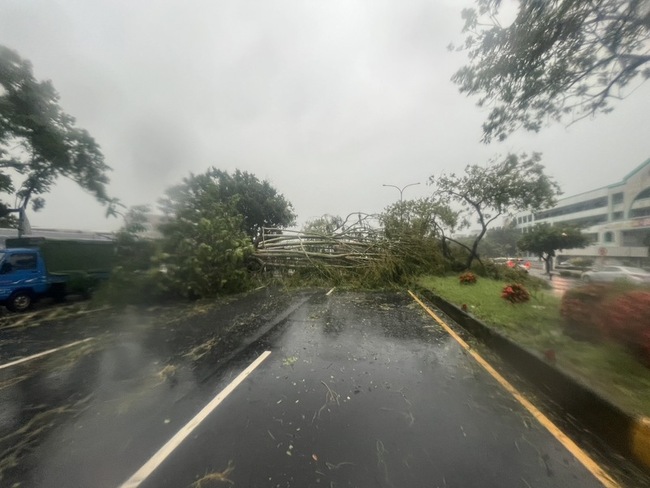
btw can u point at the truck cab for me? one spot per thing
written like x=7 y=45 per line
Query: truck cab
x=24 y=278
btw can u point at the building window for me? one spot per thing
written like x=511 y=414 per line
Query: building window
x=635 y=238
x=641 y=205
x=609 y=237
x=617 y=216
x=617 y=198
x=574 y=208
x=640 y=212
x=593 y=237
x=587 y=221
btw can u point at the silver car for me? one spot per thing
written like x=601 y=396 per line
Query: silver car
x=614 y=273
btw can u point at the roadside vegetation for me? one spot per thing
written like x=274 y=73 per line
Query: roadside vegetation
x=568 y=332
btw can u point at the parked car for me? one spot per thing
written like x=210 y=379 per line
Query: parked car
x=575 y=263
x=614 y=273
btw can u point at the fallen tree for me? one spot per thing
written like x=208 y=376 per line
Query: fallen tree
x=349 y=246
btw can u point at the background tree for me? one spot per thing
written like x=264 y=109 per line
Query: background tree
x=205 y=253
x=134 y=252
x=500 y=242
x=544 y=240
x=422 y=218
x=421 y=226
x=39 y=142
x=212 y=221
x=325 y=224
x=418 y=219
x=514 y=184
x=257 y=202
x=557 y=59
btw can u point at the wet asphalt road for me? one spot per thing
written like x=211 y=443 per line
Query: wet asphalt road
x=360 y=390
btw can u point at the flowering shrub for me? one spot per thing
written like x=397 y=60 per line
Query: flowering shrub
x=468 y=278
x=626 y=319
x=610 y=312
x=581 y=311
x=515 y=293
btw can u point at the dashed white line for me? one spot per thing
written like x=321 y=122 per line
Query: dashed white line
x=156 y=460
x=44 y=353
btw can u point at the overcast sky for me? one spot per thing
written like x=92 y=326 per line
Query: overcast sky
x=326 y=99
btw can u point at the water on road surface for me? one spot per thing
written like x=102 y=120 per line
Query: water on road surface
x=359 y=390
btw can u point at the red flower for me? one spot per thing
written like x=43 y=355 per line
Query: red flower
x=515 y=293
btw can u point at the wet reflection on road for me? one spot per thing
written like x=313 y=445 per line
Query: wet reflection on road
x=83 y=416
x=361 y=389
x=359 y=392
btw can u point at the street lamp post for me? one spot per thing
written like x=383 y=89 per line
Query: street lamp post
x=401 y=197
x=401 y=190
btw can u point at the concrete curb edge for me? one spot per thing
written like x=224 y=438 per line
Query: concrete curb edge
x=628 y=434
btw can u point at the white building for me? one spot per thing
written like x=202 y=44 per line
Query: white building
x=616 y=217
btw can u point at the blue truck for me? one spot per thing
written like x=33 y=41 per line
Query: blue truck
x=33 y=268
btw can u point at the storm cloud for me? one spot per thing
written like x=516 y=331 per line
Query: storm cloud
x=327 y=100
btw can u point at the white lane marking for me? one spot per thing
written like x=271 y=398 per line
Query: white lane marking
x=329 y=292
x=156 y=460
x=44 y=353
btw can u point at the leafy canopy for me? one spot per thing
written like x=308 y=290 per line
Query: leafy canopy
x=498 y=242
x=421 y=218
x=205 y=254
x=212 y=221
x=257 y=202
x=324 y=225
x=133 y=251
x=485 y=193
x=39 y=142
x=557 y=59
x=544 y=239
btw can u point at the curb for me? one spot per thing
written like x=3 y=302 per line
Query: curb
x=628 y=434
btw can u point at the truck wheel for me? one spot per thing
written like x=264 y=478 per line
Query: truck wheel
x=20 y=302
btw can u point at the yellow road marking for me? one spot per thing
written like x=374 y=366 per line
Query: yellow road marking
x=571 y=446
x=641 y=440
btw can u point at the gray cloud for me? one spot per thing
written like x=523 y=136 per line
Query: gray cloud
x=328 y=100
